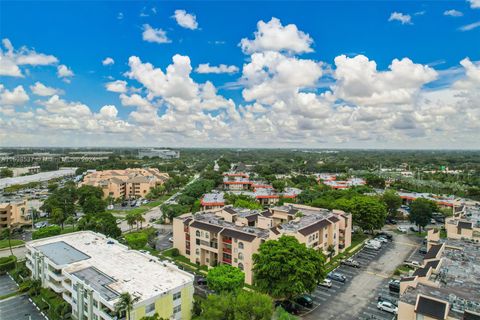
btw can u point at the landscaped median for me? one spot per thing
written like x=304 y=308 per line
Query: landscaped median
x=13 y=242
x=173 y=255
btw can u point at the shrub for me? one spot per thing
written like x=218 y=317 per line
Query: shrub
x=7 y=263
x=175 y=252
x=46 y=232
x=136 y=240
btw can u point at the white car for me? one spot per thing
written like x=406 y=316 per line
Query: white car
x=326 y=283
x=372 y=246
x=402 y=229
x=374 y=242
x=381 y=239
x=387 y=306
x=170 y=239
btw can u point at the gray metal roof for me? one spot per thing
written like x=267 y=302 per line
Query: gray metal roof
x=62 y=253
x=98 y=281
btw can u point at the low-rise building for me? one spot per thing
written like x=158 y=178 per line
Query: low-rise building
x=447 y=286
x=160 y=153
x=213 y=201
x=441 y=200
x=236 y=181
x=464 y=224
x=14 y=214
x=128 y=183
x=232 y=235
x=90 y=271
x=332 y=181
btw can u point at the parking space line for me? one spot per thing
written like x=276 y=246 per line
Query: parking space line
x=378 y=274
x=323 y=293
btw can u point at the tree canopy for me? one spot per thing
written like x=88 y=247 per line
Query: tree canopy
x=393 y=201
x=225 y=278
x=285 y=268
x=421 y=212
x=369 y=213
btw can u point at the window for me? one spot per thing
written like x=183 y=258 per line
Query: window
x=177 y=296
x=150 y=308
x=177 y=309
x=197 y=241
x=197 y=251
x=206 y=235
x=240 y=266
x=197 y=233
x=240 y=256
x=240 y=245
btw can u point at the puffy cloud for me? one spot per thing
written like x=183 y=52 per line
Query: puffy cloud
x=108 y=112
x=470 y=26
x=55 y=105
x=359 y=82
x=474 y=4
x=453 y=13
x=186 y=20
x=403 y=18
x=15 y=97
x=222 y=68
x=108 y=61
x=42 y=90
x=272 y=36
x=472 y=75
x=11 y=59
x=154 y=35
x=64 y=72
x=119 y=86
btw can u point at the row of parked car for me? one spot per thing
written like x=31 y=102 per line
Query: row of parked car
x=377 y=242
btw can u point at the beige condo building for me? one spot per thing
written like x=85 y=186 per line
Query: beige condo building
x=465 y=223
x=128 y=183
x=232 y=235
x=14 y=214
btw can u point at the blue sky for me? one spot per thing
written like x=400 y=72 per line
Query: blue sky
x=325 y=110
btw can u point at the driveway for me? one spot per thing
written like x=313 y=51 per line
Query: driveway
x=348 y=301
x=19 y=252
x=7 y=285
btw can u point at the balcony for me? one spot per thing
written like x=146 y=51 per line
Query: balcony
x=227 y=240
x=226 y=260
x=227 y=250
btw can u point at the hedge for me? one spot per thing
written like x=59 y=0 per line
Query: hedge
x=46 y=232
x=136 y=240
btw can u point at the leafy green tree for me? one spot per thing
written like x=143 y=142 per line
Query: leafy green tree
x=93 y=204
x=251 y=305
x=392 y=201
x=278 y=185
x=281 y=314
x=136 y=240
x=331 y=251
x=421 y=212
x=49 y=231
x=284 y=268
x=71 y=221
x=125 y=304
x=52 y=187
x=131 y=219
x=375 y=181
x=6 y=173
x=139 y=219
x=58 y=217
x=103 y=222
x=218 y=307
x=225 y=278
x=369 y=213
x=241 y=203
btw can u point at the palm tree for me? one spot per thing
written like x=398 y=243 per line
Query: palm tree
x=139 y=218
x=131 y=219
x=331 y=251
x=9 y=230
x=125 y=303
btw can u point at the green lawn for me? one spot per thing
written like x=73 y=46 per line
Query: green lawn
x=14 y=242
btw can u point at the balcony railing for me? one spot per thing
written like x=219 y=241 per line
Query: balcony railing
x=227 y=240
x=227 y=250
x=226 y=260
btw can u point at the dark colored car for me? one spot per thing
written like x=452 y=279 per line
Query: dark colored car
x=394 y=286
x=391 y=221
x=336 y=276
x=305 y=301
x=201 y=281
x=289 y=306
x=423 y=250
x=385 y=235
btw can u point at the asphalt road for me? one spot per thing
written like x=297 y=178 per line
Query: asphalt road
x=19 y=308
x=351 y=299
x=18 y=252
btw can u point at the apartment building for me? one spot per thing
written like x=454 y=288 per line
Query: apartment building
x=332 y=181
x=212 y=201
x=440 y=200
x=90 y=271
x=465 y=223
x=447 y=286
x=232 y=235
x=236 y=181
x=14 y=214
x=128 y=183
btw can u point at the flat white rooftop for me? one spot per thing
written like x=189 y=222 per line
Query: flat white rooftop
x=39 y=177
x=92 y=256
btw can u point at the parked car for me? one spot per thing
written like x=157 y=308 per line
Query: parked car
x=336 y=276
x=41 y=224
x=413 y=263
x=391 y=221
x=374 y=242
x=414 y=229
x=170 y=239
x=133 y=204
x=402 y=229
x=381 y=239
x=372 y=246
x=387 y=306
x=423 y=250
x=201 y=281
x=385 y=235
x=351 y=263
x=289 y=306
x=388 y=299
x=326 y=283
x=305 y=301
x=394 y=285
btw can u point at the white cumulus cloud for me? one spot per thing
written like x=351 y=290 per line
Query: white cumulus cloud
x=403 y=18
x=64 y=72
x=453 y=13
x=186 y=20
x=108 y=61
x=119 y=86
x=222 y=68
x=42 y=90
x=14 y=97
x=154 y=35
x=474 y=4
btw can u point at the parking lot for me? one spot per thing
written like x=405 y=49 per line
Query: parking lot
x=357 y=297
x=18 y=308
x=7 y=285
